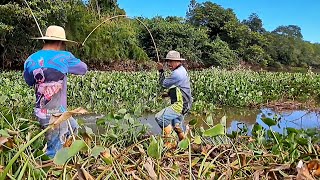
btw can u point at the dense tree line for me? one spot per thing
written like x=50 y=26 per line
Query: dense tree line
x=209 y=35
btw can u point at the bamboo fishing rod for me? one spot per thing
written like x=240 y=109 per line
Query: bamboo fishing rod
x=125 y=16
x=34 y=17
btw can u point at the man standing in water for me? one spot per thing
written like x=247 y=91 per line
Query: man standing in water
x=46 y=70
x=179 y=91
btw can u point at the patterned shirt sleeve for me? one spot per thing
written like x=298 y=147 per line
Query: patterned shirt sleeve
x=76 y=66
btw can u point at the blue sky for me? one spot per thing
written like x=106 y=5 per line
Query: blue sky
x=304 y=13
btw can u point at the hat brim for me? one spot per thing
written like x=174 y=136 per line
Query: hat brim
x=175 y=59
x=54 y=39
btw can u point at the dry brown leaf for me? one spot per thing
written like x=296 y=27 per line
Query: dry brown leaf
x=3 y=140
x=114 y=152
x=12 y=133
x=149 y=166
x=256 y=174
x=59 y=118
x=68 y=142
x=86 y=174
x=303 y=172
x=134 y=176
x=1 y=169
x=141 y=150
x=280 y=167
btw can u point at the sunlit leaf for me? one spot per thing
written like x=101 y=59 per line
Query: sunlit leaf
x=64 y=154
x=4 y=133
x=154 y=148
x=195 y=161
x=223 y=121
x=122 y=111
x=214 y=131
x=127 y=116
x=184 y=144
x=197 y=140
x=96 y=151
x=106 y=156
x=209 y=120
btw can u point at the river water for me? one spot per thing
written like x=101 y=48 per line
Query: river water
x=236 y=117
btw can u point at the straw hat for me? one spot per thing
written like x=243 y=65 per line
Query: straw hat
x=174 y=56
x=56 y=33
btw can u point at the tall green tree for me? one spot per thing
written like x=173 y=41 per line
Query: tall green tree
x=254 y=23
x=290 y=31
x=173 y=33
x=211 y=16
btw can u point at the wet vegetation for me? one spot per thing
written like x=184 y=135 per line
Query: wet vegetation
x=123 y=148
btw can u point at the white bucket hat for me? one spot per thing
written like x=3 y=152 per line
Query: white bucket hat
x=174 y=56
x=56 y=33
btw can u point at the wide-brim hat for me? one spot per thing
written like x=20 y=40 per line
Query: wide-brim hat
x=55 y=33
x=174 y=56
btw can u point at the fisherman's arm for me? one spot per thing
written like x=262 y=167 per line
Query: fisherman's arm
x=76 y=66
x=28 y=77
x=169 y=81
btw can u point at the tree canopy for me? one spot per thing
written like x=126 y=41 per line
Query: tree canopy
x=209 y=34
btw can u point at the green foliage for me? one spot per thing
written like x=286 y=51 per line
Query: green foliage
x=109 y=91
x=218 y=53
x=254 y=23
x=290 y=31
x=212 y=16
x=121 y=39
x=17 y=26
x=174 y=33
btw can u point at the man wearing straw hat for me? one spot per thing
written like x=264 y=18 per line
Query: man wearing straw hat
x=179 y=91
x=46 y=70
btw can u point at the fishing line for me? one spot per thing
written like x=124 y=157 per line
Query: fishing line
x=35 y=19
x=125 y=16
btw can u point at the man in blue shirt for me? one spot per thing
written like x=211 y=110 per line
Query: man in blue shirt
x=46 y=71
x=179 y=91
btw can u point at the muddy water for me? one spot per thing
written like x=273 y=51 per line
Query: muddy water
x=236 y=118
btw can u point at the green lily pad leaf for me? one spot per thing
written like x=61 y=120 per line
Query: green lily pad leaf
x=96 y=151
x=64 y=154
x=209 y=120
x=154 y=148
x=269 y=121
x=184 y=144
x=255 y=129
x=291 y=130
x=122 y=111
x=216 y=130
x=76 y=146
x=197 y=140
x=193 y=122
x=312 y=132
x=302 y=141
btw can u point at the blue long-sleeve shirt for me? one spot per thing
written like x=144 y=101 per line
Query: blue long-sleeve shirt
x=46 y=67
x=178 y=84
